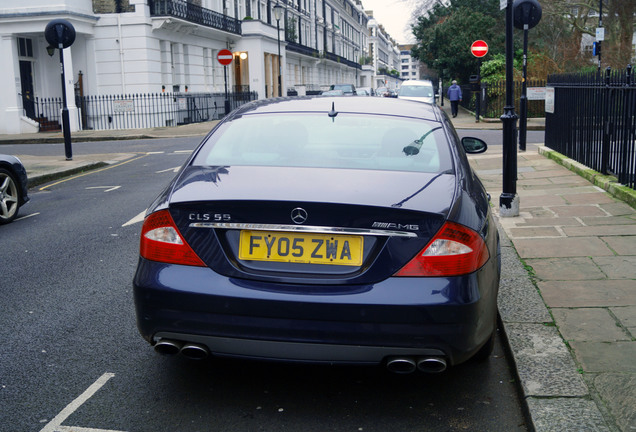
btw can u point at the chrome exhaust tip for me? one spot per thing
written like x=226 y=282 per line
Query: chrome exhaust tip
x=401 y=365
x=431 y=364
x=194 y=351
x=168 y=347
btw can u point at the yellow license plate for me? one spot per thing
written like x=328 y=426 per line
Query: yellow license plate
x=301 y=247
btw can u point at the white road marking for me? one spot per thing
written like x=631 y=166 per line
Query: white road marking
x=157 y=152
x=27 y=216
x=174 y=170
x=55 y=424
x=136 y=219
x=108 y=188
x=81 y=429
x=183 y=151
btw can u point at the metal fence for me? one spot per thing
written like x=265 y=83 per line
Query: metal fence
x=594 y=121
x=493 y=98
x=139 y=111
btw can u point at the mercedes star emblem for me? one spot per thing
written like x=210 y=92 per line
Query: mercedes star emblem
x=299 y=215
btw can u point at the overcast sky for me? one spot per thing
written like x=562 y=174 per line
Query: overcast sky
x=394 y=16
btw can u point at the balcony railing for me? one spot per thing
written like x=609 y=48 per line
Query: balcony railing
x=337 y=58
x=194 y=14
x=302 y=49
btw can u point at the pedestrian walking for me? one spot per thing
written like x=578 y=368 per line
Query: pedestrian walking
x=454 y=96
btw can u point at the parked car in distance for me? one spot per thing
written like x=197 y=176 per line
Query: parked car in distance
x=417 y=90
x=367 y=90
x=381 y=91
x=385 y=92
x=324 y=230
x=347 y=89
x=336 y=92
x=13 y=187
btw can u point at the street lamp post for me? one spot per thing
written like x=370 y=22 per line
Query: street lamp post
x=357 y=62
x=278 y=14
x=60 y=34
x=509 y=200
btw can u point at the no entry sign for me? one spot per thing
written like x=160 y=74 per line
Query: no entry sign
x=479 y=48
x=225 y=57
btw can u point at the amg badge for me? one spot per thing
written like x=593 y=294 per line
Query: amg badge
x=396 y=226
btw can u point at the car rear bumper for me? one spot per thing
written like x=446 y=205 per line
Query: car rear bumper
x=449 y=317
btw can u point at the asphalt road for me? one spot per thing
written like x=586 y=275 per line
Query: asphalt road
x=494 y=137
x=71 y=356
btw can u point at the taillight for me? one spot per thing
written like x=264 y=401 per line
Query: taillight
x=455 y=250
x=161 y=241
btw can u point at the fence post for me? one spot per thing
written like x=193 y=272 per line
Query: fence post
x=626 y=139
x=605 y=149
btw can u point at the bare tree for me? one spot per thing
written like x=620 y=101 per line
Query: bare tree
x=583 y=18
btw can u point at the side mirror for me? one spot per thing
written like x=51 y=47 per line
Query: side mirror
x=474 y=145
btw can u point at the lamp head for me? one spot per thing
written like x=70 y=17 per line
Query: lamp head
x=278 y=11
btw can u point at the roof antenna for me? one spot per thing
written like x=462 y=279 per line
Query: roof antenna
x=333 y=112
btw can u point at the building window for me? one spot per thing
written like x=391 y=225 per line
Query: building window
x=25 y=47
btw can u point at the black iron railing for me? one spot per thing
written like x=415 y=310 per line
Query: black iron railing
x=48 y=113
x=302 y=49
x=140 y=111
x=194 y=14
x=593 y=121
x=493 y=96
x=337 y=58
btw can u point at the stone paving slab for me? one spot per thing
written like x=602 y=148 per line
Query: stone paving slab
x=587 y=198
x=577 y=210
x=589 y=325
x=607 y=220
x=546 y=221
x=562 y=247
x=617 y=267
x=619 y=209
x=548 y=173
x=627 y=317
x=566 y=415
x=584 y=188
x=618 y=391
x=519 y=301
x=545 y=366
x=601 y=230
x=606 y=356
x=595 y=293
x=576 y=268
x=622 y=245
x=533 y=232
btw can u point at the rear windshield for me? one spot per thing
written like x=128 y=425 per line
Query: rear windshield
x=416 y=91
x=316 y=140
x=344 y=87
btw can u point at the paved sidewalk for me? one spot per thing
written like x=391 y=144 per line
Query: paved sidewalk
x=568 y=292
x=572 y=324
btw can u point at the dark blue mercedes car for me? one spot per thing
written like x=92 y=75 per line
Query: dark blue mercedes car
x=324 y=229
x=13 y=187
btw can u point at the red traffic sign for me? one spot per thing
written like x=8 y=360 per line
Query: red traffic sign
x=479 y=48
x=225 y=57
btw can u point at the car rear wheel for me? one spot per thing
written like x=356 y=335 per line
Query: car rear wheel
x=9 y=197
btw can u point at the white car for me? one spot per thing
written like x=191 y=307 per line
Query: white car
x=417 y=90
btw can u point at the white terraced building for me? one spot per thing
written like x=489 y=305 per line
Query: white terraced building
x=170 y=47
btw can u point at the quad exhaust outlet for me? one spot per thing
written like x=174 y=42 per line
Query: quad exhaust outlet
x=407 y=365
x=190 y=350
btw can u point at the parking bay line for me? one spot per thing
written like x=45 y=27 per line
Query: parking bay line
x=81 y=429
x=55 y=425
x=136 y=219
